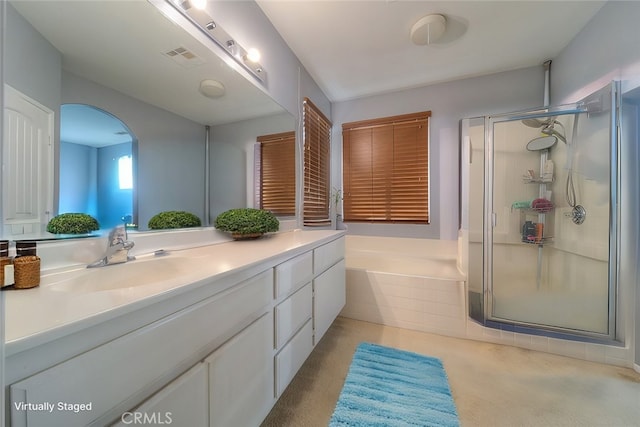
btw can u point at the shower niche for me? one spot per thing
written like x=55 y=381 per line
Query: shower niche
x=539 y=217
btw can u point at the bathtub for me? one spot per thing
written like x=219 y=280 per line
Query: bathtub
x=405 y=282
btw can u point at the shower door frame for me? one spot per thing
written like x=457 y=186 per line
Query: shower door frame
x=587 y=105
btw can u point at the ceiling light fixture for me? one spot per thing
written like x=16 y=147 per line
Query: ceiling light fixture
x=428 y=29
x=212 y=88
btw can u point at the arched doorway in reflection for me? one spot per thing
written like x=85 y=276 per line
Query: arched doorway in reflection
x=97 y=165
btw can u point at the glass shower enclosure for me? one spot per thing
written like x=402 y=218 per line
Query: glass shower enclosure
x=540 y=217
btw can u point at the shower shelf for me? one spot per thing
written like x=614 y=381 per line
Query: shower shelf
x=543 y=210
x=543 y=241
x=528 y=180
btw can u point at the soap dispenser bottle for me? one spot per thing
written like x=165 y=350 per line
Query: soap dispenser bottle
x=5 y=260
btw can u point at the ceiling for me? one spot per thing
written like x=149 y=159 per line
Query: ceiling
x=87 y=125
x=124 y=45
x=354 y=49
x=351 y=49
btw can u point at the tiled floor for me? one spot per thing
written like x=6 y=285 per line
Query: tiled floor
x=492 y=385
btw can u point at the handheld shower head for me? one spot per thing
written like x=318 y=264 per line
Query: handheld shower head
x=547 y=127
x=549 y=130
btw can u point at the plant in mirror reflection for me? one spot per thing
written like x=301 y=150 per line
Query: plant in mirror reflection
x=72 y=223
x=173 y=219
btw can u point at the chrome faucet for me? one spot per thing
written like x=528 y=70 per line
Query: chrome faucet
x=117 y=248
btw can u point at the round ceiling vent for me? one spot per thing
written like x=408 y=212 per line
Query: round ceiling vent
x=212 y=88
x=428 y=29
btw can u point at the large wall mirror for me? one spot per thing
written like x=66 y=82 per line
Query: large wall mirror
x=128 y=61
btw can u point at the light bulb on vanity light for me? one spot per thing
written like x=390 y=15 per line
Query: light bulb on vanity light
x=253 y=54
x=199 y=4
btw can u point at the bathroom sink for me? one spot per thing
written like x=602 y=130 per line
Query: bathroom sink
x=132 y=274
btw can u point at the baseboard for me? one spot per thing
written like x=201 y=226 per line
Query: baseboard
x=636 y=367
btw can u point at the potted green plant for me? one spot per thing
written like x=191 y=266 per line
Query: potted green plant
x=173 y=219
x=247 y=223
x=72 y=223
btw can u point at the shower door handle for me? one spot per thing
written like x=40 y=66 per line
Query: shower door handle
x=494 y=220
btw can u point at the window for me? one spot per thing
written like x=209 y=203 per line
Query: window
x=317 y=140
x=385 y=169
x=276 y=173
x=125 y=173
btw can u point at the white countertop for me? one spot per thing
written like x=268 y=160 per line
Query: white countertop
x=62 y=305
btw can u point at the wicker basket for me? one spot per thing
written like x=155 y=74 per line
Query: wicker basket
x=26 y=271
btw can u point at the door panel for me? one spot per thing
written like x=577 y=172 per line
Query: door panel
x=27 y=188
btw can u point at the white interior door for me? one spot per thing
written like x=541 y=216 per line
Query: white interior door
x=27 y=165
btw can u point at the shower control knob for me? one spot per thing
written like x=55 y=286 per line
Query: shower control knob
x=577 y=214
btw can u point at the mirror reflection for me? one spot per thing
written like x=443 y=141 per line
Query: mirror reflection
x=97 y=54
x=96 y=165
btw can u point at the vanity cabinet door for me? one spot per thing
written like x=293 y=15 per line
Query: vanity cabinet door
x=241 y=377
x=184 y=402
x=111 y=378
x=329 y=297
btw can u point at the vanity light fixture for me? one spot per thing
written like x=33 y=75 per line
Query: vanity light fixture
x=213 y=30
x=231 y=47
x=188 y=4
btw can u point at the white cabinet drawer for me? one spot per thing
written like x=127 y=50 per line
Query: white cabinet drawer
x=292 y=274
x=292 y=356
x=112 y=374
x=292 y=313
x=327 y=255
x=329 y=298
x=183 y=402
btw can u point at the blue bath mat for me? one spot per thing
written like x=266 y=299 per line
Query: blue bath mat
x=389 y=387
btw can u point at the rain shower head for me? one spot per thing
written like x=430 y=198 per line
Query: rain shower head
x=535 y=123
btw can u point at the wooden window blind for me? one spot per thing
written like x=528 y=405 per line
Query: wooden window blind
x=386 y=169
x=278 y=173
x=317 y=140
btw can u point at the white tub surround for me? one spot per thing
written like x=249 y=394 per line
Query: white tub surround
x=166 y=334
x=416 y=284
x=404 y=282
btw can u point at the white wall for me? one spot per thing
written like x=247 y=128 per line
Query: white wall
x=449 y=103
x=288 y=83
x=33 y=66
x=171 y=160
x=232 y=160
x=251 y=28
x=607 y=49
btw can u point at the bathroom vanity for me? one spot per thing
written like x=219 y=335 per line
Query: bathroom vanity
x=203 y=336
